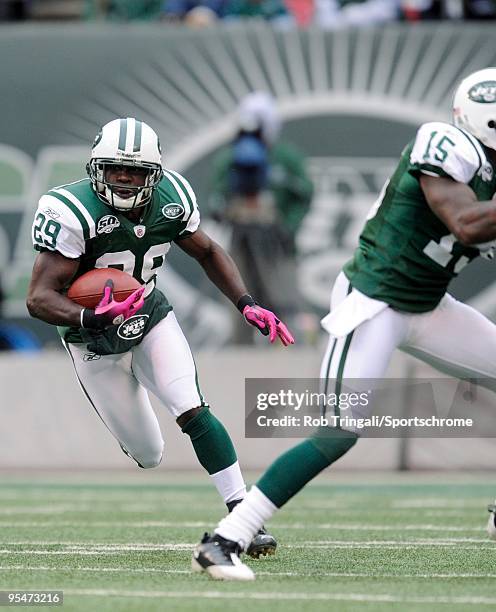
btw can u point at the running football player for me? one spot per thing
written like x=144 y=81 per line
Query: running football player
x=126 y=215
x=433 y=216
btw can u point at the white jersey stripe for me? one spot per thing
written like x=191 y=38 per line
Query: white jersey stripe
x=79 y=205
x=189 y=189
x=75 y=245
x=181 y=193
x=475 y=143
x=83 y=180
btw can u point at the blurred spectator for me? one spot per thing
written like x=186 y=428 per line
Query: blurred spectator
x=261 y=189
x=302 y=11
x=14 y=10
x=14 y=337
x=200 y=17
x=479 y=9
x=194 y=12
x=335 y=14
x=421 y=10
x=123 y=10
x=273 y=11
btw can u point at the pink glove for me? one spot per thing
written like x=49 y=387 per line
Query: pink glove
x=267 y=322
x=109 y=311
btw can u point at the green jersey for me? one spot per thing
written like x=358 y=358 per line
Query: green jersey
x=73 y=221
x=406 y=255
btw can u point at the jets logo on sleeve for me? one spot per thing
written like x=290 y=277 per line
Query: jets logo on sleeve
x=173 y=211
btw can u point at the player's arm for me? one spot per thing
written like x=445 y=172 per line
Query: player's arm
x=223 y=272
x=52 y=272
x=471 y=221
x=218 y=265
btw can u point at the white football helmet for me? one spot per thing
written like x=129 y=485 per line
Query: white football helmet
x=474 y=106
x=125 y=142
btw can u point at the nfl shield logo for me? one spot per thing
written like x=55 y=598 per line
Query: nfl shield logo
x=139 y=230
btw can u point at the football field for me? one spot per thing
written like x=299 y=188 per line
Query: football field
x=382 y=542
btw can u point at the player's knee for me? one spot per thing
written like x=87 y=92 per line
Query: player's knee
x=149 y=461
x=187 y=416
x=149 y=458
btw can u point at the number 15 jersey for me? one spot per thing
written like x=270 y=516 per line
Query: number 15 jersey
x=406 y=255
x=73 y=221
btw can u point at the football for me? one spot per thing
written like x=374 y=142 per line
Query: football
x=87 y=290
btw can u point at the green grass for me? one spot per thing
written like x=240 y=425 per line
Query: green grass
x=119 y=543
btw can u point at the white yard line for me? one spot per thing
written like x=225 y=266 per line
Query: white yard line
x=317 y=574
x=202 y=524
x=101 y=504
x=109 y=548
x=386 y=598
x=160 y=545
x=48 y=509
x=417 y=541
x=371 y=527
x=99 y=545
x=436 y=502
x=89 y=508
x=117 y=570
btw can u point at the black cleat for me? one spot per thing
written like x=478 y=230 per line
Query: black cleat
x=219 y=558
x=262 y=544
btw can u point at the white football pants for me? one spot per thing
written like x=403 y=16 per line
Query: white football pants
x=117 y=385
x=454 y=338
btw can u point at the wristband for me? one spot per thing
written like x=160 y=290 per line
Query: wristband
x=91 y=321
x=244 y=301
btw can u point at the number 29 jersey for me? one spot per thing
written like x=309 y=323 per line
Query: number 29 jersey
x=406 y=255
x=73 y=221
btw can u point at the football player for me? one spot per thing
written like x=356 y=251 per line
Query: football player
x=126 y=215
x=433 y=216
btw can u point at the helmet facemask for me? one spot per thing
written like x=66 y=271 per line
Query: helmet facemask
x=140 y=195
x=125 y=143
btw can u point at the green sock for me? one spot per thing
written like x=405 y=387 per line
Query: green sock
x=292 y=470
x=212 y=443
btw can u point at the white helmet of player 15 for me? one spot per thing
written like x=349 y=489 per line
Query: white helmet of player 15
x=125 y=142
x=474 y=106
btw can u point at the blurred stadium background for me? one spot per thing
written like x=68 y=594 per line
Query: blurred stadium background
x=350 y=99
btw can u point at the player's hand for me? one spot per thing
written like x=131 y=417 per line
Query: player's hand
x=268 y=324
x=109 y=311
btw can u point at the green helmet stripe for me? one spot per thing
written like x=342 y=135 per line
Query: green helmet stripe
x=137 y=135
x=79 y=215
x=122 y=134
